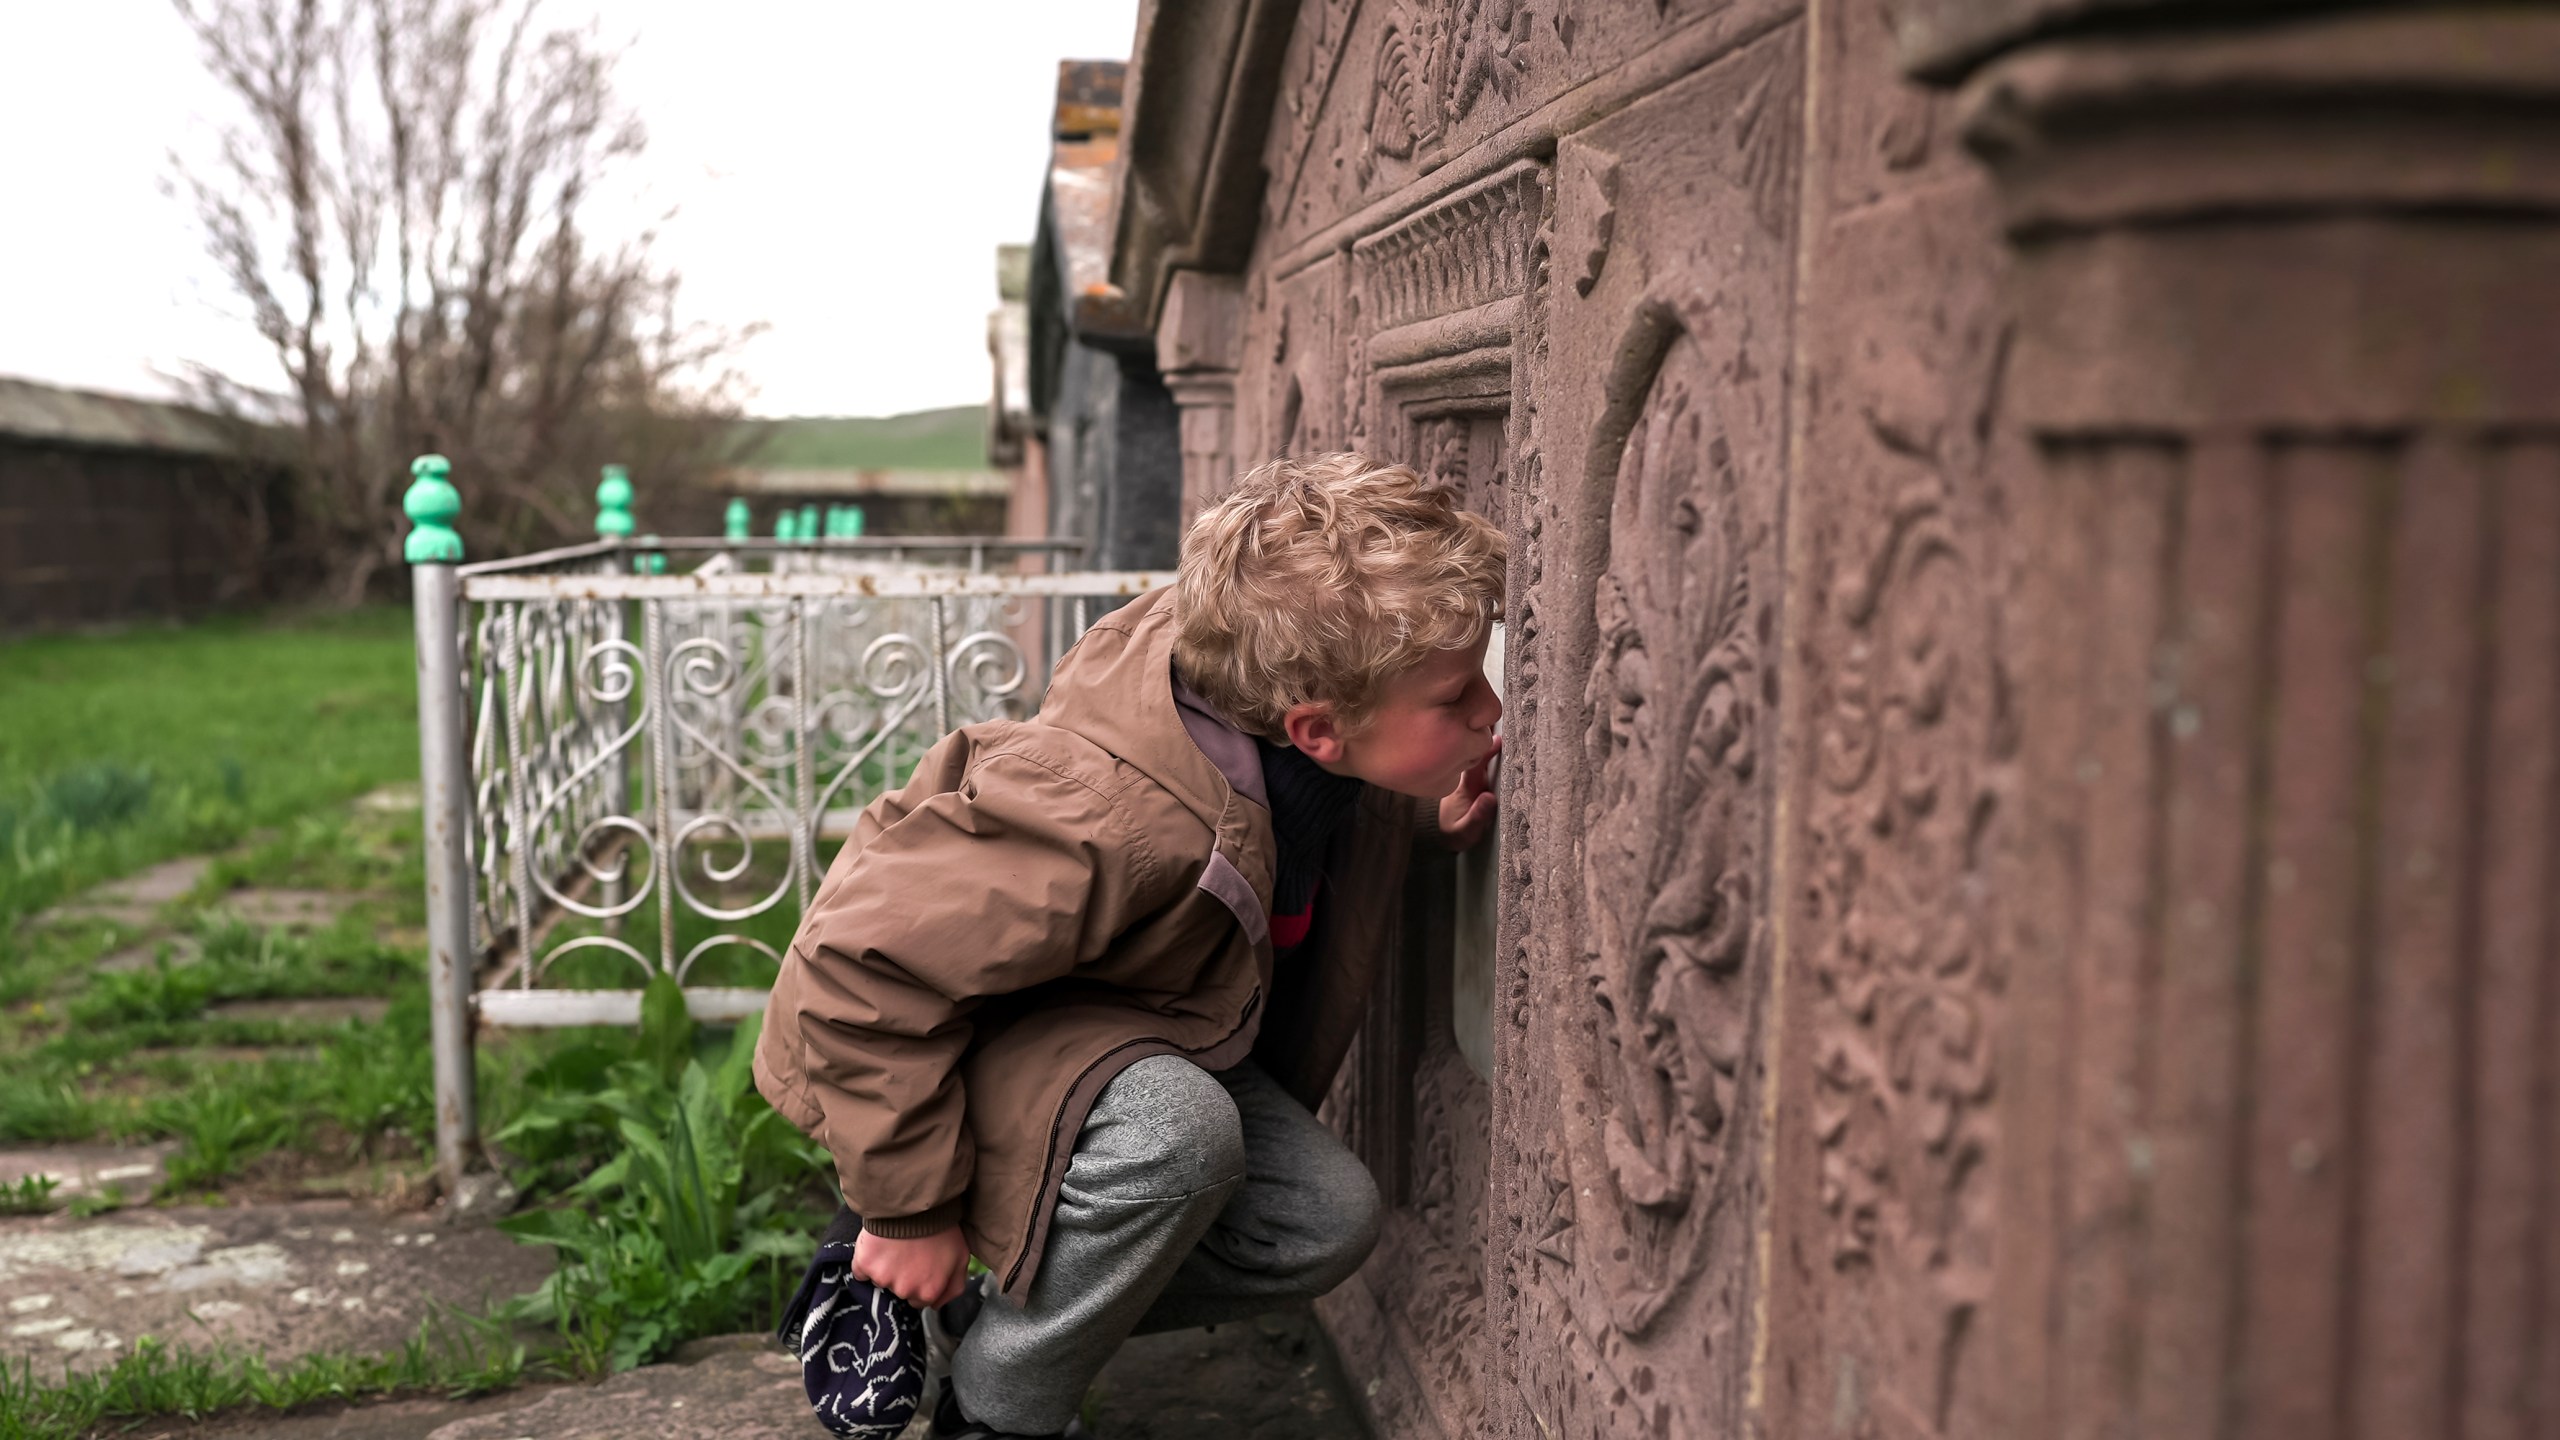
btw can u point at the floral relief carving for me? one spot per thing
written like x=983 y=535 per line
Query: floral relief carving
x=1440 y=451
x=1592 y=178
x=1672 y=830
x=1912 y=759
x=1436 y=1267
x=1435 y=61
x=1903 y=123
x=1630 y=1163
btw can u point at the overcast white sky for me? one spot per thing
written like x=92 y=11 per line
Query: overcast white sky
x=842 y=172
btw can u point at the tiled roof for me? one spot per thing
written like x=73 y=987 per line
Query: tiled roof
x=34 y=411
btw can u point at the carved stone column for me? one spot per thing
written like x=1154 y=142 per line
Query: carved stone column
x=2277 y=1152
x=1197 y=344
x=1207 y=400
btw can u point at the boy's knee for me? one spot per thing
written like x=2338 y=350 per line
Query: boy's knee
x=1353 y=1214
x=1173 y=1129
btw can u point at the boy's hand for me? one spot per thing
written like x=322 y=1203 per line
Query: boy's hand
x=1466 y=813
x=925 y=1271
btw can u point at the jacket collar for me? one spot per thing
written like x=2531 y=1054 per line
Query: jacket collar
x=1117 y=688
x=1228 y=748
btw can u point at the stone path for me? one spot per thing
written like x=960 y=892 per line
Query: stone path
x=134 y=902
x=139 y=903
x=1271 y=1380
x=283 y=1280
x=282 y=909
x=82 y=1171
x=316 y=1009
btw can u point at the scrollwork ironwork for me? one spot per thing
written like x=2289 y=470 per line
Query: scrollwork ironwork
x=692 y=774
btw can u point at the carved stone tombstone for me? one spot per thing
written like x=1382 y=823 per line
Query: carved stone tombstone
x=1430 y=380
x=1629 y=1143
x=2030 y=668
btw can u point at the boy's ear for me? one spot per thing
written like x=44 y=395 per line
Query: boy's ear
x=1311 y=727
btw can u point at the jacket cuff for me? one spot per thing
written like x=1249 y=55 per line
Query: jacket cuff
x=914 y=1227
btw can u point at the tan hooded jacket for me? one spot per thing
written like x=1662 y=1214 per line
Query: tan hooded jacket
x=1045 y=903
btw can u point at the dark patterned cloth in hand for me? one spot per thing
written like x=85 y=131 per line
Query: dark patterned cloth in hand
x=861 y=1349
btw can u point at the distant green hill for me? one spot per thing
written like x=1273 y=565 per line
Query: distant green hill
x=950 y=439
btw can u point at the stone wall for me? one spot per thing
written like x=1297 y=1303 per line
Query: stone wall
x=95 y=535
x=1115 y=480
x=2026 y=872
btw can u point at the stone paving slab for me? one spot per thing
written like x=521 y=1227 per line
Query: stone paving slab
x=735 y=1388
x=416 y=1419
x=283 y=1280
x=740 y=1395
x=390 y=799
x=1270 y=1380
x=77 y=1170
x=317 y=1009
x=136 y=900
x=277 y=908
x=183 y=950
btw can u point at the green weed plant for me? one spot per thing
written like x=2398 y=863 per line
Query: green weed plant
x=220 y=1129
x=699 y=1218
x=368 y=1080
x=162 y=993
x=45 y=1109
x=32 y=1195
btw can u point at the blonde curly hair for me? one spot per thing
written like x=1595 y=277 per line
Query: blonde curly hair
x=1319 y=579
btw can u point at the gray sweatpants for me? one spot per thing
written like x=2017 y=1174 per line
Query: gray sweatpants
x=1192 y=1199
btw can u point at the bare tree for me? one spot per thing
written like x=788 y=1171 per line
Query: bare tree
x=404 y=203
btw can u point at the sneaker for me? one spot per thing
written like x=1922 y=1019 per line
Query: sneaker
x=861 y=1349
x=950 y=1424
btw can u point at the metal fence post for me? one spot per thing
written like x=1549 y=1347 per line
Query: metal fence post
x=433 y=550
x=613 y=522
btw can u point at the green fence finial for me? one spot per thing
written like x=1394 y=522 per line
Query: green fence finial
x=613 y=502
x=432 y=505
x=853 y=522
x=786 y=526
x=809 y=522
x=737 y=520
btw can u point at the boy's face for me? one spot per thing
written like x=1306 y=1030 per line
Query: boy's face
x=1432 y=722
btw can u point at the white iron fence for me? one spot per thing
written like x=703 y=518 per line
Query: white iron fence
x=634 y=769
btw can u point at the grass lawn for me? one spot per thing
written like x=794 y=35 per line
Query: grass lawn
x=120 y=750
x=242 y=738
x=246 y=741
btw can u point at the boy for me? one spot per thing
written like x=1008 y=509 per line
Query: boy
x=1067 y=1000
